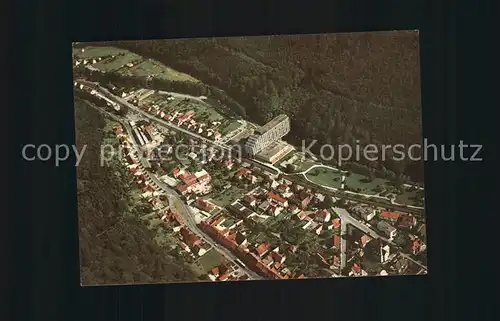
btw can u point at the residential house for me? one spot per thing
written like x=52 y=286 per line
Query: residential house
x=293 y=209
x=390 y=216
x=304 y=198
x=322 y=216
x=242 y=173
x=227 y=164
x=407 y=221
x=272 y=197
x=205 y=205
x=264 y=205
x=364 y=240
x=335 y=224
x=386 y=228
x=262 y=249
x=417 y=246
x=182 y=189
x=277 y=257
x=283 y=188
x=301 y=215
x=241 y=239
x=267 y=261
x=251 y=200
x=336 y=241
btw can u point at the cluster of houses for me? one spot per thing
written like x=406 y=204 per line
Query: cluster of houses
x=227 y=272
x=189 y=242
x=197 y=183
x=389 y=223
x=187 y=120
x=151 y=192
x=233 y=234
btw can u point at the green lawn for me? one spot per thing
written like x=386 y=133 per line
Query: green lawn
x=324 y=176
x=230 y=126
x=207 y=262
x=355 y=181
x=95 y=52
x=113 y=64
x=406 y=198
x=228 y=196
x=151 y=67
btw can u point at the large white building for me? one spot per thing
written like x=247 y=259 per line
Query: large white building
x=267 y=134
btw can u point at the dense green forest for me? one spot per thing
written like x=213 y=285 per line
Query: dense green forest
x=115 y=247
x=336 y=88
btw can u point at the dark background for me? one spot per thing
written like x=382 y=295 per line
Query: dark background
x=44 y=278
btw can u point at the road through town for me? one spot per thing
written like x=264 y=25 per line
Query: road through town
x=186 y=212
x=343 y=214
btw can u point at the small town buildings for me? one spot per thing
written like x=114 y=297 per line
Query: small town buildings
x=386 y=228
x=392 y=217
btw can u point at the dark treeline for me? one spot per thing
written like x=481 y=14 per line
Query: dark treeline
x=338 y=88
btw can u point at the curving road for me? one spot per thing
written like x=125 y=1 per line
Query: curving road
x=343 y=214
x=187 y=213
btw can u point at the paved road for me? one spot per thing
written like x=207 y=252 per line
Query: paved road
x=345 y=216
x=187 y=213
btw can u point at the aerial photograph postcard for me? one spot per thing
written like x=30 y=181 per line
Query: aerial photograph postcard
x=249 y=158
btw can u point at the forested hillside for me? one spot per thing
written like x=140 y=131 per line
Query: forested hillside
x=114 y=247
x=336 y=88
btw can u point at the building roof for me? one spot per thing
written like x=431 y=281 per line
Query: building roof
x=336 y=240
x=276 y=197
x=406 y=221
x=390 y=215
x=356 y=268
x=336 y=222
x=250 y=198
x=301 y=215
x=365 y=239
x=205 y=205
x=262 y=248
x=242 y=171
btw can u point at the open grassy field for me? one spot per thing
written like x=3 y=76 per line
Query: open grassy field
x=206 y=263
x=228 y=196
x=151 y=67
x=113 y=64
x=95 y=52
x=324 y=176
x=356 y=181
x=229 y=126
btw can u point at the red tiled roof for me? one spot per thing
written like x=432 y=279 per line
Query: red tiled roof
x=242 y=172
x=250 y=198
x=205 y=205
x=416 y=245
x=301 y=215
x=336 y=240
x=276 y=197
x=276 y=257
x=356 y=268
x=336 y=223
x=215 y=270
x=182 y=188
x=218 y=221
x=261 y=249
x=390 y=215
